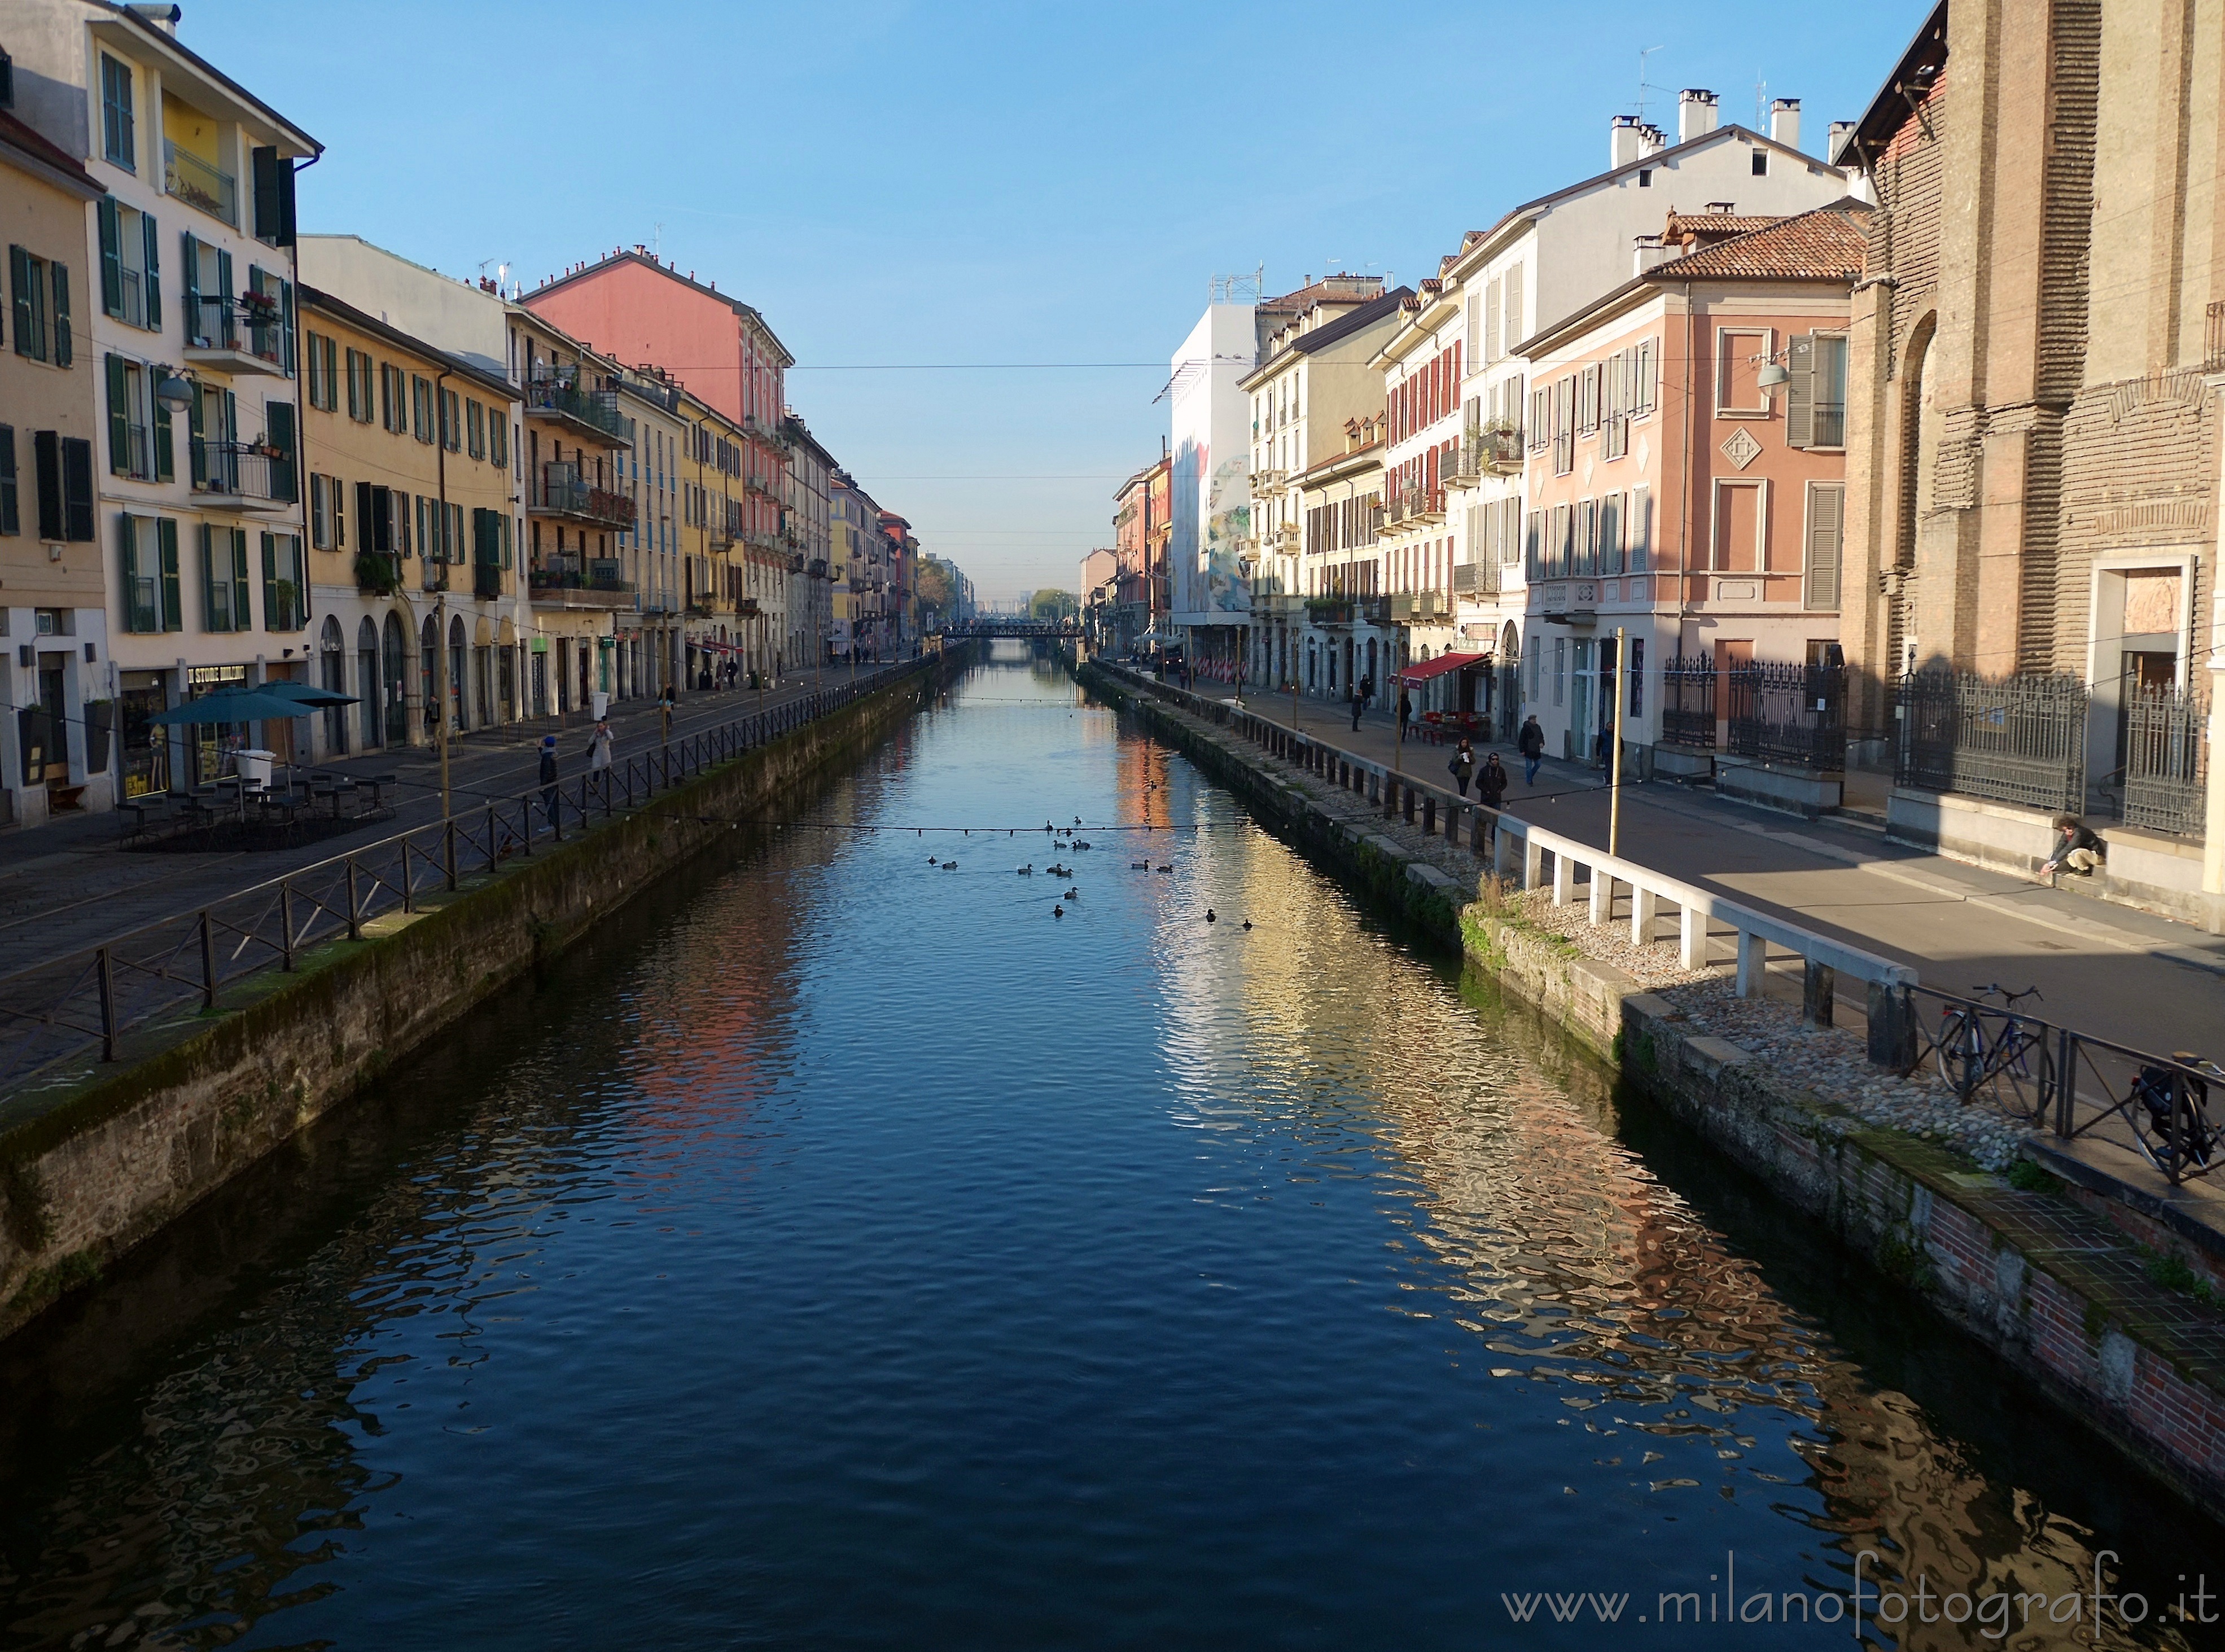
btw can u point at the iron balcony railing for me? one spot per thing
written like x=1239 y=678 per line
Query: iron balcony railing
x=1791 y=715
x=195 y=182
x=596 y=408
x=563 y=489
x=243 y=471
x=1687 y=701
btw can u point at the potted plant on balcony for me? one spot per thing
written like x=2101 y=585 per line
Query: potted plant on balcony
x=261 y=308
x=376 y=573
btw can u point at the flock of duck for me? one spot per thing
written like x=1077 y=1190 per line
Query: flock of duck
x=1063 y=839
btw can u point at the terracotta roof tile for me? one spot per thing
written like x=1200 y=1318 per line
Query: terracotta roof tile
x=1826 y=244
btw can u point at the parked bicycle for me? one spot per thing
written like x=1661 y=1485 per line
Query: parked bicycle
x=1970 y=1051
x=2172 y=1124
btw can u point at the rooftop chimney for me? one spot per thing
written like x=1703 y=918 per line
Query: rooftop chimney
x=1840 y=131
x=1722 y=208
x=1650 y=250
x=1651 y=140
x=1784 y=122
x=1625 y=141
x=165 y=18
x=1695 y=114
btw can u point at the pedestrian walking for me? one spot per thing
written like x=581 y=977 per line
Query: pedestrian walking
x=1405 y=713
x=1491 y=783
x=1357 y=702
x=1463 y=764
x=599 y=745
x=666 y=698
x=549 y=777
x=1532 y=744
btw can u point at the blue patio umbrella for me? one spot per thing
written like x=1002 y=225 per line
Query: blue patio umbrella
x=306 y=693
x=234 y=705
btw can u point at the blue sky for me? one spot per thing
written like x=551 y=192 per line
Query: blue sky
x=989 y=183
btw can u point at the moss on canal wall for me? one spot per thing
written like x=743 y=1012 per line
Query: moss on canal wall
x=2053 y=1288
x=114 y=1160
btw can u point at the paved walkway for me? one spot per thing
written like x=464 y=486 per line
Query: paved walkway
x=68 y=884
x=2105 y=969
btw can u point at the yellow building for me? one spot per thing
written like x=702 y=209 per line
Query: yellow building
x=412 y=540
x=56 y=752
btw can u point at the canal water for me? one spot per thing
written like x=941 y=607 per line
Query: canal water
x=845 y=1248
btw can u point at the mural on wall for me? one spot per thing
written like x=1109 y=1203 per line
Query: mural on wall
x=1227 y=525
x=1187 y=490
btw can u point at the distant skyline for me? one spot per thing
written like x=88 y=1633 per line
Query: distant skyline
x=991 y=187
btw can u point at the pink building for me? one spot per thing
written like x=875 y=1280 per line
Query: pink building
x=1686 y=480
x=630 y=307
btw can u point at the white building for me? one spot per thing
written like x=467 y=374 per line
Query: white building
x=187 y=306
x=1315 y=403
x=1458 y=390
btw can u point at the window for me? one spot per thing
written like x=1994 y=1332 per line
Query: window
x=421 y=407
x=1560 y=669
x=1637 y=675
x=39 y=291
x=117 y=138
x=63 y=465
x=475 y=428
x=1815 y=392
x=148 y=551
x=360 y=397
x=1610 y=533
x=1641 y=400
x=268 y=304
x=11 y=521
x=394 y=400
x=278 y=424
x=7 y=81
x=1826 y=525
x=497 y=437
x=139 y=439
x=1761 y=164
x=327 y=517
x=1740 y=353
x=1645 y=177
x=452 y=424
x=283 y=584
x=211 y=309
x=130 y=273
x=1638 y=531
x=324 y=389
x=227 y=603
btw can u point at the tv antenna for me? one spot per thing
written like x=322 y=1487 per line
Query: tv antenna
x=1643 y=86
x=1238 y=289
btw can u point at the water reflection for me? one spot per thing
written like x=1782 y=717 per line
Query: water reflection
x=844 y=1251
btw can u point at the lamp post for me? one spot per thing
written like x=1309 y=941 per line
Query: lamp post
x=1614 y=793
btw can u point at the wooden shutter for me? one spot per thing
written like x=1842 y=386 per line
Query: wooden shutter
x=166 y=457
x=1827 y=518
x=211 y=620
x=243 y=595
x=119 y=417
x=135 y=616
x=65 y=341
x=27 y=342
x=366 y=527
x=174 y=606
x=198 y=439
x=189 y=289
x=11 y=521
x=151 y=281
x=77 y=490
x=265 y=161
x=286 y=320
x=111 y=258
x=270 y=608
x=285 y=473
x=1800 y=392
x=226 y=290
x=1514 y=334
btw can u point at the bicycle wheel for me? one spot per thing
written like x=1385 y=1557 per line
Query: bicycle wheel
x=1959 y=1052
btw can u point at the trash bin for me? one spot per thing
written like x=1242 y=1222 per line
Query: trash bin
x=254 y=767
x=602 y=703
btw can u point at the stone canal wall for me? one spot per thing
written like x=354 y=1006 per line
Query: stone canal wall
x=111 y=1164
x=2013 y=1260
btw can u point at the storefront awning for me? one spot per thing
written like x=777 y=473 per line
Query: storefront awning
x=1439 y=666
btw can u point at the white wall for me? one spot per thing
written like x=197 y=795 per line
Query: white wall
x=443 y=311
x=1212 y=497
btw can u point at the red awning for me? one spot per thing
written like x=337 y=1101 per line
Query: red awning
x=1439 y=666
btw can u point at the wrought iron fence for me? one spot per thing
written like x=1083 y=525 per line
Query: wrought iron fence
x=1790 y=714
x=2014 y=739
x=2166 y=762
x=61 y=1017
x=1688 y=701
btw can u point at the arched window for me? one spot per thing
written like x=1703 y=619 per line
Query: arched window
x=428 y=668
x=397 y=667
x=367 y=675
x=456 y=673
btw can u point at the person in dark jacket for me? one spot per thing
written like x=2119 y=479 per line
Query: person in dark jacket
x=1357 y=702
x=1463 y=764
x=1405 y=714
x=549 y=777
x=2075 y=846
x=1491 y=783
x=1532 y=744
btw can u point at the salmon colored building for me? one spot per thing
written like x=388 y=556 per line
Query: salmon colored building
x=1681 y=489
x=643 y=312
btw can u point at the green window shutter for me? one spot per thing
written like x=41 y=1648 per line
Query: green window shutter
x=197 y=450
x=27 y=315
x=189 y=288
x=47 y=465
x=243 y=595
x=165 y=459
x=229 y=293
x=231 y=431
x=271 y=614
x=11 y=521
x=286 y=316
x=153 y=279
x=1827 y=518
x=1800 y=391
x=65 y=341
x=278 y=418
x=111 y=258
x=174 y=606
x=135 y=616
x=211 y=620
x=119 y=419
x=506 y=552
